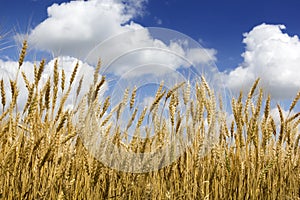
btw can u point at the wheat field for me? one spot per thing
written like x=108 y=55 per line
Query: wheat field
x=42 y=156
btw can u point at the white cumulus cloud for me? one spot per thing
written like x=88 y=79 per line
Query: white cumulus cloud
x=272 y=55
x=91 y=29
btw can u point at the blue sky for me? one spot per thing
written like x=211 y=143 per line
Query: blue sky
x=220 y=24
x=246 y=39
x=217 y=24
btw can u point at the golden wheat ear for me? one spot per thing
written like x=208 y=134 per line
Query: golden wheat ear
x=23 y=53
x=296 y=99
x=3 y=95
x=132 y=99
